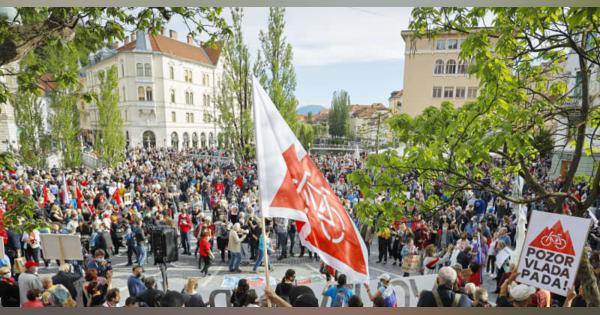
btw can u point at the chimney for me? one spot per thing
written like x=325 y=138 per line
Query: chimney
x=190 y=40
x=172 y=34
x=162 y=31
x=126 y=39
x=133 y=37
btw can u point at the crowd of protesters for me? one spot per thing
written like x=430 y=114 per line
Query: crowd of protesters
x=212 y=202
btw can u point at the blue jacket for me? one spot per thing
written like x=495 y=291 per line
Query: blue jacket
x=135 y=286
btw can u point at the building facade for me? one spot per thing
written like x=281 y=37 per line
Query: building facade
x=433 y=73
x=8 y=127
x=561 y=159
x=395 y=101
x=166 y=89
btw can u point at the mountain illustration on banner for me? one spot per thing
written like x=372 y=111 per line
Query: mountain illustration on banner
x=554 y=239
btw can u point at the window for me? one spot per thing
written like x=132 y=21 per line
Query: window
x=171 y=72
x=462 y=67
x=122 y=69
x=187 y=97
x=460 y=42
x=437 y=92
x=141 y=94
x=472 y=92
x=208 y=100
x=192 y=118
x=577 y=89
x=173 y=117
x=148 y=93
x=204 y=101
x=191 y=98
x=452 y=44
x=187 y=117
x=439 y=67
x=440 y=44
x=187 y=75
x=147 y=70
x=140 y=70
x=460 y=92
x=172 y=96
x=451 y=66
x=123 y=94
x=448 y=92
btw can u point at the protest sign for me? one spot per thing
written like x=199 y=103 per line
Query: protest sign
x=411 y=263
x=61 y=246
x=1 y=247
x=127 y=200
x=552 y=251
x=502 y=256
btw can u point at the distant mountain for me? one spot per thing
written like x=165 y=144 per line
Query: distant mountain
x=304 y=110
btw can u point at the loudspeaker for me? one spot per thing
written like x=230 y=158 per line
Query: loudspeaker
x=164 y=244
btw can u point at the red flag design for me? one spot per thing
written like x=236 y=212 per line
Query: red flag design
x=292 y=186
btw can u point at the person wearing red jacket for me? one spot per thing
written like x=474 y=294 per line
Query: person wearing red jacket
x=185 y=225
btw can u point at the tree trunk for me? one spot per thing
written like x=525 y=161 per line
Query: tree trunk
x=591 y=294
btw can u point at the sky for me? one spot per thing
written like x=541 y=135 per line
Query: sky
x=359 y=50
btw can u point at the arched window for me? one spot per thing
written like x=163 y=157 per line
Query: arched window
x=187 y=97
x=147 y=70
x=172 y=96
x=195 y=140
x=462 y=67
x=149 y=139
x=139 y=70
x=203 y=140
x=171 y=72
x=192 y=98
x=186 y=140
x=174 y=140
x=439 y=67
x=141 y=94
x=148 y=93
x=211 y=140
x=451 y=66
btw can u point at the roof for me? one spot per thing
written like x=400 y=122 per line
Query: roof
x=396 y=94
x=169 y=46
x=366 y=111
x=47 y=83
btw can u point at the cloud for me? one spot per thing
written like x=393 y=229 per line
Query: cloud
x=322 y=36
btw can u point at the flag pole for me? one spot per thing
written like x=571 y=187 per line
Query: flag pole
x=262 y=212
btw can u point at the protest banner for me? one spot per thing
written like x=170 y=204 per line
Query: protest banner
x=407 y=288
x=1 y=247
x=61 y=246
x=230 y=281
x=552 y=251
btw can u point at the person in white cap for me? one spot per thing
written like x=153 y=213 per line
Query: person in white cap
x=385 y=290
x=514 y=294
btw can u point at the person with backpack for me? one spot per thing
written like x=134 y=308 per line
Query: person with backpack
x=131 y=244
x=339 y=294
x=385 y=290
x=443 y=293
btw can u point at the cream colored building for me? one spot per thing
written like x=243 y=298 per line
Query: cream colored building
x=395 y=101
x=433 y=73
x=167 y=89
x=8 y=129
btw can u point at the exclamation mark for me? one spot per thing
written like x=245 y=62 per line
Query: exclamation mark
x=566 y=288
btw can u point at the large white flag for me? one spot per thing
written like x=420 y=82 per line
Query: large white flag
x=291 y=186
